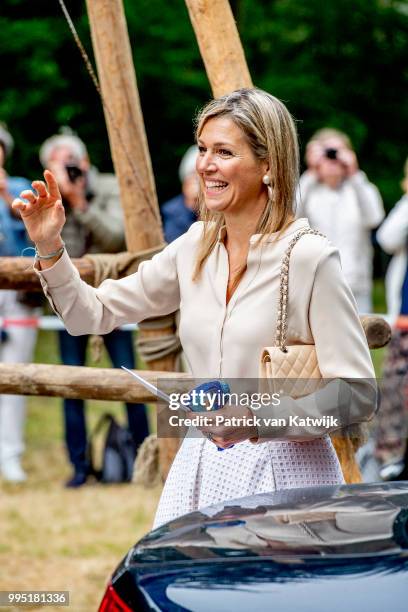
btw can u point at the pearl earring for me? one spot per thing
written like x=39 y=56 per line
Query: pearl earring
x=267 y=181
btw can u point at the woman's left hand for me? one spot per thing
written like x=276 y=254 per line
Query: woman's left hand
x=237 y=426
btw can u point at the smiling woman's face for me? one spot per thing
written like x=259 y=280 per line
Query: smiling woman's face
x=229 y=173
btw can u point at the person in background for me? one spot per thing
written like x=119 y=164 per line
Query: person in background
x=392 y=433
x=17 y=342
x=338 y=200
x=181 y=212
x=94 y=224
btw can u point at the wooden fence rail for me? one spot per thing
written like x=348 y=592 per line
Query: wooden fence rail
x=76 y=382
x=17 y=273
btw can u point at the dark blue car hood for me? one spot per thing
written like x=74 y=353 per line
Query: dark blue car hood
x=314 y=549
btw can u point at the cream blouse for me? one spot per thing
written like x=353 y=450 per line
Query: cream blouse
x=225 y=340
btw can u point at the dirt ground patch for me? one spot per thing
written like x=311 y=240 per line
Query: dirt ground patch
x=52 y=538
x=55 y=539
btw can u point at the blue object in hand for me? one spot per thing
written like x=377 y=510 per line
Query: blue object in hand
x=200 y=397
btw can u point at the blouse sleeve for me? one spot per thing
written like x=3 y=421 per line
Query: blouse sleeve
x=341 y=345
x=152 y=291
x=349 y=391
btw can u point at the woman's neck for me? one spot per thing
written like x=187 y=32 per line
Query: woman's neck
x=240 y=227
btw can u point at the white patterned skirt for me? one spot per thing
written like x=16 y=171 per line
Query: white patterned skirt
x=201 y=475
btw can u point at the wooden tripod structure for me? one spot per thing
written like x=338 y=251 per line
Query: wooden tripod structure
x=227 y=70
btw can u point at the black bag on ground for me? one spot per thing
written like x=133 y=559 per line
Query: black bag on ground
x=118 y=454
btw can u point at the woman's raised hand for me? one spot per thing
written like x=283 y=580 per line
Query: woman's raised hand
x=43 y=214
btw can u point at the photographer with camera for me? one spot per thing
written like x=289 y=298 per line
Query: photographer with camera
x=339 y=201
x=91 y=199
x=94 y=224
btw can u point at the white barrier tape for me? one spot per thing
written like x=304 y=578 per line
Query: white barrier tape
x=50 y=323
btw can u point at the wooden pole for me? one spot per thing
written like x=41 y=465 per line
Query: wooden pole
x=377 y=331
x=129 y=147
x=220 y=45
x=77 y=382
x=168 y=447
x=17 y=273
x=125 y=125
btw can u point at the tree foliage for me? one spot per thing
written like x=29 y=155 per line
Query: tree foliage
x=337 y=63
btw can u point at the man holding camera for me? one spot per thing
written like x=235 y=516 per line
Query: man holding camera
x=94 y=224
x=339 y=201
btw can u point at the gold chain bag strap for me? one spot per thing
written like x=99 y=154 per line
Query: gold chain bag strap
x=297 y=365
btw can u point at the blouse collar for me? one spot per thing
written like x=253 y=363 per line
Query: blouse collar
x=294 y=227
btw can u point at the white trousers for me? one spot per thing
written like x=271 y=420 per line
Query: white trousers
x=17 y=348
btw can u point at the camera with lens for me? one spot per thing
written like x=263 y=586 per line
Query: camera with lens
x=74 y=172
x=331 y=153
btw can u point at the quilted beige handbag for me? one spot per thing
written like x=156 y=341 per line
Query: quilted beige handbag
x=296 y=368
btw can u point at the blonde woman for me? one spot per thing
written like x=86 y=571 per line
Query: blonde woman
x=223 y=274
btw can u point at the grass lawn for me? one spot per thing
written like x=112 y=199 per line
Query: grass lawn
x=58 y=539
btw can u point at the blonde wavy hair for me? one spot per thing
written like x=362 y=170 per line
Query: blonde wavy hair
x=271 y=133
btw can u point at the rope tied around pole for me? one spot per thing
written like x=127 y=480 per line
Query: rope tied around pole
x=158 y=347
x=117 y=265
x=146 y=471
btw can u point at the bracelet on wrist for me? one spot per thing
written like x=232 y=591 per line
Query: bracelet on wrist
x=50 y=255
